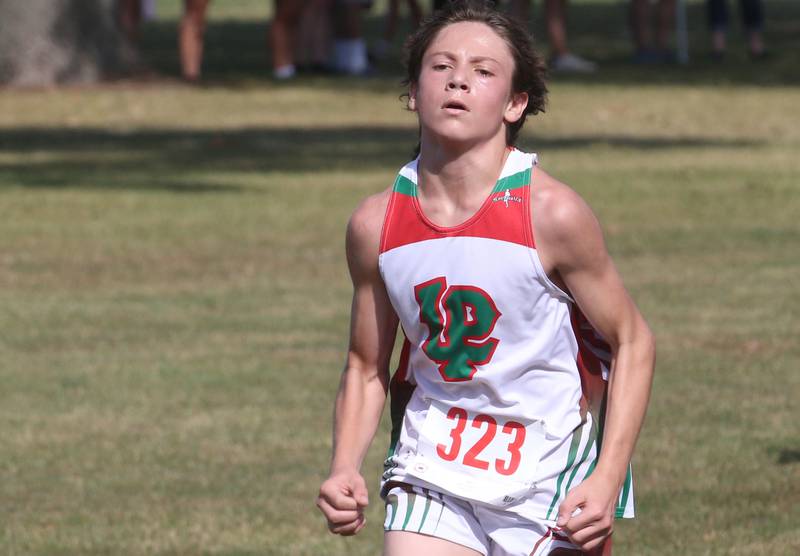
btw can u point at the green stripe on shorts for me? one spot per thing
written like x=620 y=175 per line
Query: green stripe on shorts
x=392 y=500
x=427 y=507
x=411 y=500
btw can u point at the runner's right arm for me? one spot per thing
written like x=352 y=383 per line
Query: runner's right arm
x=365 y=379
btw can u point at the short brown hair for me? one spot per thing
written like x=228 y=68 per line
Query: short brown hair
x=530 y=69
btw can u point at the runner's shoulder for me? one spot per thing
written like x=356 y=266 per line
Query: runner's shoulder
x=364 y=229
x=366 y=221
x=558 y=212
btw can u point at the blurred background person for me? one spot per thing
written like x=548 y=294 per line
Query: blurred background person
x=314 y=36
x=190 y=38
x=383 y=45
x=349 y=46
x=191 y=29
x=555 y=14
x=652 y=23
x=130 y=14
x=282 y=37
x=751 y=13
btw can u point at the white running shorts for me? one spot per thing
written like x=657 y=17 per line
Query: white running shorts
x=488 y=530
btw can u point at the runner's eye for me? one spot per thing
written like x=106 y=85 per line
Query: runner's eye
x=484 y=72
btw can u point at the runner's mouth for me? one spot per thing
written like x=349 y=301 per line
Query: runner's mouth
x=456 y=105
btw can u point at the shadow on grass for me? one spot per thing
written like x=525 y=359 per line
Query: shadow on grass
x=200 y=161
x=788 y=456
x=236 y=50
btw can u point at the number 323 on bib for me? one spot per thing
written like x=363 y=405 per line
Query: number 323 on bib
x=478 y=456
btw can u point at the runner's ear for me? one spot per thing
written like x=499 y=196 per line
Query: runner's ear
x=515 y=107
x=412 y=98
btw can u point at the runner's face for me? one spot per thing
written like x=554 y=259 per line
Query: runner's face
x=464 y=90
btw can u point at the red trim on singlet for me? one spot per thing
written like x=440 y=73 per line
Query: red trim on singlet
x=387 y=218
x=402 y=365
x=590 y=366
x=405 y=222
x=528 y=218
x=400 y=392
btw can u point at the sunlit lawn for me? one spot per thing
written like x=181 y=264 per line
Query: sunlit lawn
x=174 y=300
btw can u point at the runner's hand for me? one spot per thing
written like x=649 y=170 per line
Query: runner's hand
x=342 y=499
x=586 y=515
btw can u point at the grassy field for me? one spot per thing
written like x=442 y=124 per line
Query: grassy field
x=174 y=299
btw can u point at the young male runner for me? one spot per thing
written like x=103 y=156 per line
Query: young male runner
x=506 y=438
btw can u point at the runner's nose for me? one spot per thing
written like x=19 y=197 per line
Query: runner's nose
x=457 y=82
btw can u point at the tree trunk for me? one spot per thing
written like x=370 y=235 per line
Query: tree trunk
x=49 y=42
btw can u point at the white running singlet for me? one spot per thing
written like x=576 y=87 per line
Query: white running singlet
x=500 y=393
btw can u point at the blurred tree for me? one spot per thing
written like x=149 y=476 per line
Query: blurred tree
x=48 y=42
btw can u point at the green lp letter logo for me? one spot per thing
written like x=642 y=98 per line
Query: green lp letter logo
x=459 y=320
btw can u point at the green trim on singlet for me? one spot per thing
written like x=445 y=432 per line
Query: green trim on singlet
x=593 y=464
x=393 y=439
x=622 y=500
x=513 y=181
x=626 y=490
x=585 y=455
x=397 y=412
x=573 y=451
x=405 y=186
x=600 y=419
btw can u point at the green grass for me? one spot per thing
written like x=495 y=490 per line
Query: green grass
x=174 y=299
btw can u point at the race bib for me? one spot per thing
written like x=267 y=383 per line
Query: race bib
x=478 y=456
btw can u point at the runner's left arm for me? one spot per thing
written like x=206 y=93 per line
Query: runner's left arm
x=574 y=239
